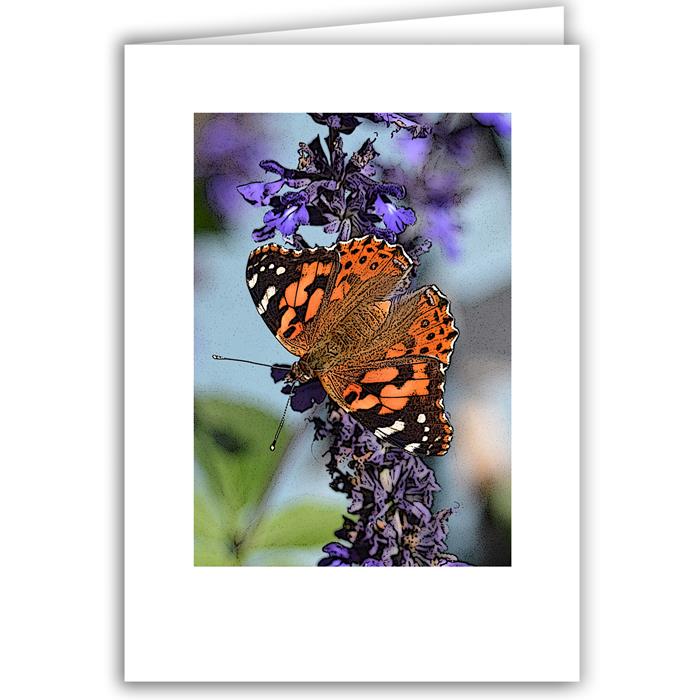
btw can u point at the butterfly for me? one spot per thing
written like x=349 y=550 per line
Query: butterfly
x=380 y=352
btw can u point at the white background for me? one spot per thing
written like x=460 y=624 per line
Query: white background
x=61 y=378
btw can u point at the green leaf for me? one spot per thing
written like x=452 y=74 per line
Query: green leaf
x=306 y=524
x=206 y=220
x=213 y=552
x=207 y=521
x=232 y=445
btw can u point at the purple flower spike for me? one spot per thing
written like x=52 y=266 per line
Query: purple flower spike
x=390 y=492
x=395 y=218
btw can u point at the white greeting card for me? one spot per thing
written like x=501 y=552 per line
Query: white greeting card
x=412 y=276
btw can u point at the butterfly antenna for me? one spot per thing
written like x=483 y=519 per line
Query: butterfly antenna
x=237 y=359
x=273 y=444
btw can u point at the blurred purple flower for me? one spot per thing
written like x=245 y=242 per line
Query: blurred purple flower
x=442 y=225
x=227 y=148
x=414 y=152
x=499 y=122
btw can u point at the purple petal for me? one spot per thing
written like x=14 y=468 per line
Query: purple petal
x=288 y=221
x=335 y=549
x=279 y=372
x=272 y=166
x=418 y=509
x=395 y=218
x=294 y=198
x=259 y=193
x=306 y=395
x=263 y=233
x=329 y=561
x=390 y=189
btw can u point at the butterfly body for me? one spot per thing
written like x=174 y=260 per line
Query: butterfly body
x=379 y=353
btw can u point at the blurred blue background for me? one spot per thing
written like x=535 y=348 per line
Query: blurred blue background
x=458 y=183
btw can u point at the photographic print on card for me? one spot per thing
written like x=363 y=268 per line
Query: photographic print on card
x=352 y=339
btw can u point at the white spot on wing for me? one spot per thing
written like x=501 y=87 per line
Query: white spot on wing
x=253 y=280
x=269 y=293
x=411 y=446
x=421 y=418
x=396 y=427
x=281 y=270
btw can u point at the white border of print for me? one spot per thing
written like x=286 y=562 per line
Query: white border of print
x=295 y=624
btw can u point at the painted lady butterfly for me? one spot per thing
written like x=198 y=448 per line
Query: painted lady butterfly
x=379 y=353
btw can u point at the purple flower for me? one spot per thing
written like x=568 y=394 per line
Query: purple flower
x=499 y=122
x=338 y=555
x=288 y=216
x=260 y=193
x=395 y=218
x=305 y=395
x=443 y=226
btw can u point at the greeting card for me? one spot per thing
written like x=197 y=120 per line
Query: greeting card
x=351 y=361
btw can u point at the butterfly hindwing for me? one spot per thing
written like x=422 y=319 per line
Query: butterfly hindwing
x=401 y=403
x=288 y=287
x=419 y=324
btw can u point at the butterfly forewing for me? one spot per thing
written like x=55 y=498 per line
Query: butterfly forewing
x=288 y=287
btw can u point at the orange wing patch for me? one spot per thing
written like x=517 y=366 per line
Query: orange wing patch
x=363 y=260
x=424 y=320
